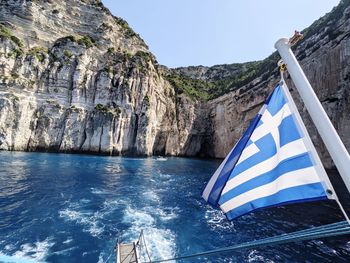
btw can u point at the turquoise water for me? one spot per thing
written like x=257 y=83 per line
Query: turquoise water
x=72 y=208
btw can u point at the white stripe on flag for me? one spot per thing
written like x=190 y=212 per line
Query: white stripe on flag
x=215 y=176
x=248 y=152
x=289 y=150
x=288 y=180
x=273 y=121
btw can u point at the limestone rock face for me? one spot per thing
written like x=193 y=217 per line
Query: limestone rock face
x=325 y=59
x=73 y=78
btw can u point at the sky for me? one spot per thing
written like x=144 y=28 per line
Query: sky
x=211 y=32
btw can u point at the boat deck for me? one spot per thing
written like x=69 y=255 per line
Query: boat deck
x=126 y=253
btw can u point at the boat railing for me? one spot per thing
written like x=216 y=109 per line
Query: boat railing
x=142 y=247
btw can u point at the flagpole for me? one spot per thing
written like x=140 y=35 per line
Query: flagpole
x=320 y=118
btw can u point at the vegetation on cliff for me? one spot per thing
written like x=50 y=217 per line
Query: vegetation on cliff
x=213 y=88
x=244 y=73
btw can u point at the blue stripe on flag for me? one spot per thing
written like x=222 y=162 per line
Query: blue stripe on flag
x=304 y=193
x=249 y=143
x=258 y=157
x=278 y=100
x=291 y=164
x=215 y=192
x=288 y=131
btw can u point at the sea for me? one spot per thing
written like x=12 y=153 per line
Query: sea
x=73 y=208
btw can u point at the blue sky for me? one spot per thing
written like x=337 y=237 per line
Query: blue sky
x=210 y=32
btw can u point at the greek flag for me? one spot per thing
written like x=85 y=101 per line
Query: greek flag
x=273 y=163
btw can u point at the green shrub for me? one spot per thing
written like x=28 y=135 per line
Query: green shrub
x=195 y=89
x=14 y=97
x=146 y=56
x=101 y=108
x=54 y=103
x=17 y=41
x=71 y=38
x=105 y=109
x=146 y=100
x=117 y=110
x=108 y=69
x=97 y=3
x=39 y=52
x=67 y=53
x=86 y=41
x=14 y=75
x=15 y=53
x=5 y=32
x=128 y=32
x=54 y=57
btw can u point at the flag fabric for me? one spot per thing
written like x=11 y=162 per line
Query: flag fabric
x=272 y=164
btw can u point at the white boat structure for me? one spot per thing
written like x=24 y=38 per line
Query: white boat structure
x=132 y=252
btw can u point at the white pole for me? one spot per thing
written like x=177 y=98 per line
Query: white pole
x=320 y=118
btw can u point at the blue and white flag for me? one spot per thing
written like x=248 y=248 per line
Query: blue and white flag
x=273 y=163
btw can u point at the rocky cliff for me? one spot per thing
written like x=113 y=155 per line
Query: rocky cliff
x=74 y=78
x=324 y=55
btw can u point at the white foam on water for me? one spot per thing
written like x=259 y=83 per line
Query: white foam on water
x=98 y=191
x=151 y=196
x=103 y=258
x=162 y=159
x=323 y=248
x=113 y=169
x=109 y=205
x=15 y=259
x=89 y=220
x=64 y=251
x=85 y=201
x=29 y=253
x=9 y=247
x=165 y=215
x=160 y=242
x=166 y=176
x=216 y=220
x=69 y=240
x=255 y=257
x=346 y=246
x=100 y=259
x=138 y=218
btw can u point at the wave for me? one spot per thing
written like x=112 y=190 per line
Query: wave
x=29 y=253
x=88 y=220
x=15 y=259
